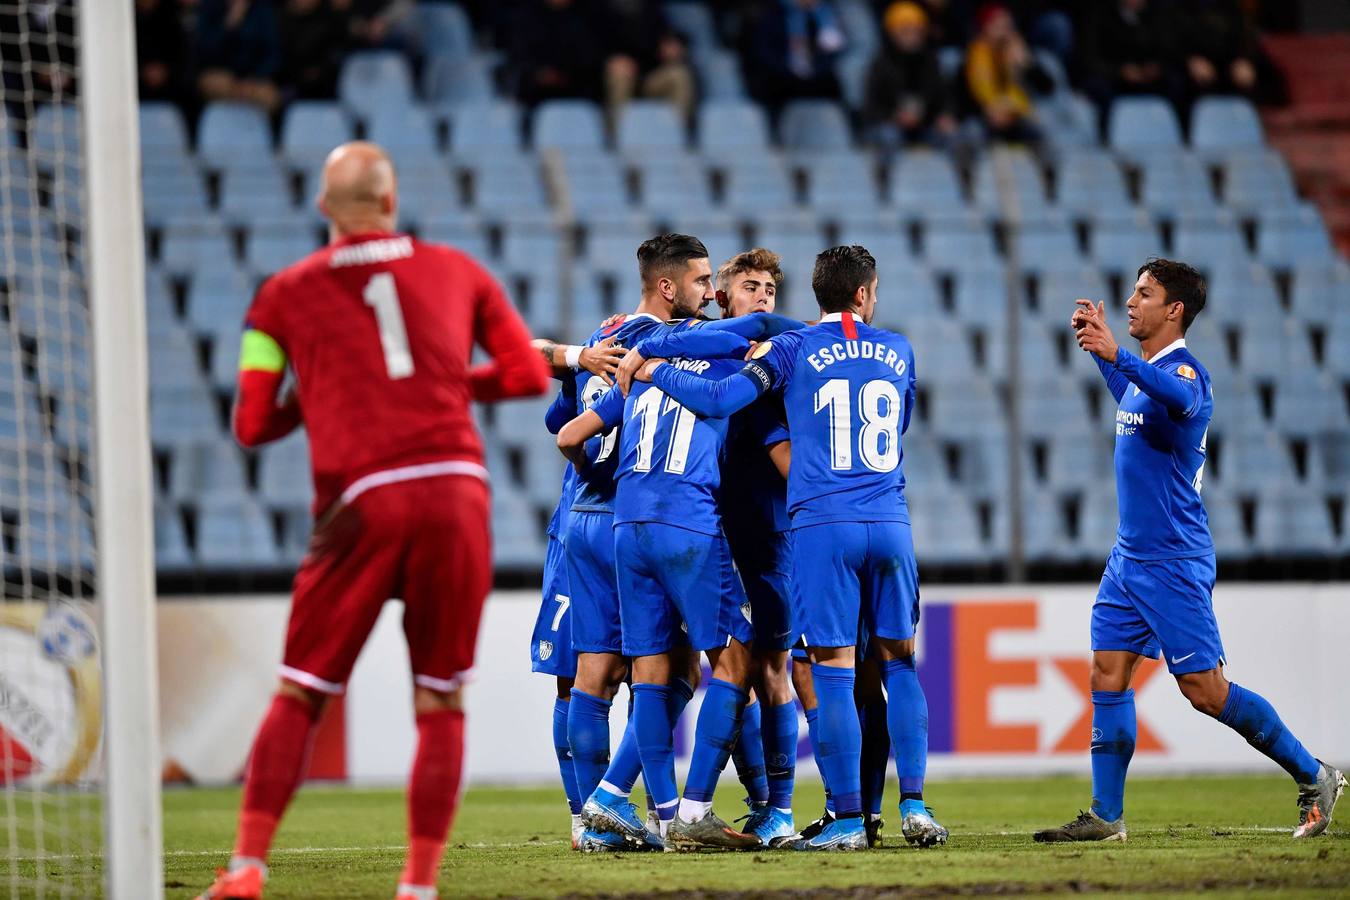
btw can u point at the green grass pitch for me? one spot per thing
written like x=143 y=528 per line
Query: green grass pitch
x=1189 y=835
x=1217 y=836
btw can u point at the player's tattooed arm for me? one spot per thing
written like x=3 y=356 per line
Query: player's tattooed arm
x=602 y=359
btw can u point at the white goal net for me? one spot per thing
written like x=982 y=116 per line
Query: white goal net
x=54 y=746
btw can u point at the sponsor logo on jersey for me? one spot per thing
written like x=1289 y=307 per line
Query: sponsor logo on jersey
x=697 y=366
x=1128 y=422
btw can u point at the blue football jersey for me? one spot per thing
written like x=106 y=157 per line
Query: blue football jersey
x=670 y=459
x=754 y=494
x=1160 y=453
x=595 y=486
x=557 y=523
x=848 y=390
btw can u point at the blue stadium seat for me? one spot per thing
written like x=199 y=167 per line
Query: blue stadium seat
x=955 y=244
x=693 y=20
x=1309 y=404
x=247 y=194
x=311 y=129
x=407 y=133
x=1142 y=123
x=1069 y=120
x=1336 y=353
x=729 y=129
x=1025 y=181
x=1173 y=183
x=444 y=28
x=452 y=78
x=1224 y=124
x=272 y=246
x=719 y=232
x=1238 y=412
x=21 y=416
x=284 y=480
x=954 y=365
x=484 y=129
x=462 y=232
x=426 y=190
x=757 y=187
x=1089 y=182
x=232 y=134
x=1285 y=238
x=203 y=472
x=1231 y=541
x=169 y=194
x=516 y=538
x=54 y=135
x=720 y=75
x=196 y=247
x=1054 y=407
x=982 y=462
x=56 y=537
x=1045 y=528
x=1329 y=459
x=1293 y=522
x=508 y=185
x=223 y=372
x=923 y=181
x=1078 y=464
x=375 y=80
x=183 y=412
x=842 y=183
x=907 y=296
x=668 y=182
x=217 y=302
x=1207 y=240
x=1120 y=243
x=175 y=361
x=647 y=126
x=568 y=124
x=813 y=126
x=235 y=532
x=595 y=183
x=171 y=547
x=1319 y=289
x=163 y=131
x=611 y=246
x=981 y=293
x=1258 y=182
x=946 y=528
x=1271 y=350
x=1045 y=240
x=1057 y=287
x=1243 y=293
x=1248 y=461
x=851 y=69
x=532 y=248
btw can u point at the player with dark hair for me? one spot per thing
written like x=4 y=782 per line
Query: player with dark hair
x=676 y=283
x=1155 y=595
x=378 y=329
x=848 y=391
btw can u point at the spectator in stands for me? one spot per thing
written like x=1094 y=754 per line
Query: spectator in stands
x=1126 y=49
x=1048 y=25
x=1219 y=47
x=159 y=50
x=1000 y=71
x=382 y=24
x=239 y=52
x=555 y=53
x=643 y=56
x=47 y=73
x=907 y=99
x=313 y=43
x=790 y=50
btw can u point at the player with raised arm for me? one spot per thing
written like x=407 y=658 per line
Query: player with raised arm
x=848 y=390
x=678 y=587
x=1155 y=595
x=378 y=329
x=676 y=283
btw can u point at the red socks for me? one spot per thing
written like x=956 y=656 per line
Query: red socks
x=433 y=792
x=274 y=770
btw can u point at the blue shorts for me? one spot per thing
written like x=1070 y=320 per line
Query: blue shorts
x=551 y=644
x=678 y=586
x=844 y=573
x=590 y=575
x=1147 y=606
x=764 y=562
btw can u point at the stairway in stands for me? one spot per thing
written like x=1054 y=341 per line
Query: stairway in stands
x=1313 y=132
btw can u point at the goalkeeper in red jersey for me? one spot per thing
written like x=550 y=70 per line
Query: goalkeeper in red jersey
x=378 y=329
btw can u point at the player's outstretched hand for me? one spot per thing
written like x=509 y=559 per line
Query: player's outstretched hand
x=628 y=367
x=602 y=359
x=644 y=374
x=1082 y=311
x=1092 y=333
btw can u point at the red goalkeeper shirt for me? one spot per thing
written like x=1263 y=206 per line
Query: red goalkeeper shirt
x=378 y=330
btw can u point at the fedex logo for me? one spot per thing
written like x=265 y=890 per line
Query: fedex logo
x=990 y=691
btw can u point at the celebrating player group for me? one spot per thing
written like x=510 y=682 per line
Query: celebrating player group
x=738 y=492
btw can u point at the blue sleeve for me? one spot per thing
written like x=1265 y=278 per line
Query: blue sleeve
x=910 y=393
x=1116 y=382
x=712 y=399
x=610 y=407
x=563 y=408
x=713 y=340
x=776 y=435
x=1181 y=396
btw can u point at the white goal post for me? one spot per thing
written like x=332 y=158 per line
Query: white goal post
x=133 y=855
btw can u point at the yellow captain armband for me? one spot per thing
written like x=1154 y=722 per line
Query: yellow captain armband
x=260 y=352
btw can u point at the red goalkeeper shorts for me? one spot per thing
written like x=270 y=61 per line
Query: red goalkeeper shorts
x=425 y=541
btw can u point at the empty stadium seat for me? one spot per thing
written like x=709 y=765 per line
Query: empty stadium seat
x=163 y=131
x=406 y=132
x=1258 y=182
x=508 y=186
x=375 y=80
x=217 y=302
x=444 y=28
x=206 y=472
x=946 y=528
x=247 y=194
x=234 y=532
x=650 y=126
x=1309 y=404
x=964 y=408
x=171 y=547
x=568 y=124
x=1009 y=182
x=1319 y=289
x=1207 y=240
x=670 y=182
x=169 y=194
x=484 y=129
x=195 y=247
x=1287 y=237
x=1242 y=292
x=1224 y=124
x=813 y=125
x=923 y=181
x=427 y=189
x=1120 y=243
x=956 y=244
x=728 y=129
x=1293 y=522
x=183 y=411
x=284 y=479
x=842 y=182
x=54 y=135
x=1047 y=240
x=1142 y=123
x=596 y=184
x=1173 y=183
x=758 y=187
x=275 y=244
x=233 y=133
x=453 y=78
x=720 y=75
x=461 y=232
x=310 y=130
x=1089 y=181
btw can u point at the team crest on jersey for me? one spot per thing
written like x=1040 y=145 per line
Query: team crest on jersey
x=1186 y=372
x=545 y=650
x=745 y=611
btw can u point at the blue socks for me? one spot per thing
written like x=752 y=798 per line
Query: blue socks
x=626 y=765
x=564 y=751
x=907 y=715
x=652 y=705
x=588 y=736
x=780 y=752
x=1250 y=715
x=876 y=753
x=748 y=755
x=813 y=734
x=1113 y=733
x=839 y=746
x=719 y=718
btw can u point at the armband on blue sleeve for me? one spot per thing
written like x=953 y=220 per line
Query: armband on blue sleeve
x=713 y=399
